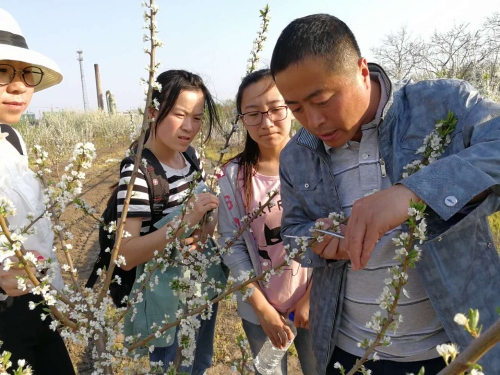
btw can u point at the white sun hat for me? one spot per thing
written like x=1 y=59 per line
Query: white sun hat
x=13 y=46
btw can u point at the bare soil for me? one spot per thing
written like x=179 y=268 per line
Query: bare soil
x=96 y=192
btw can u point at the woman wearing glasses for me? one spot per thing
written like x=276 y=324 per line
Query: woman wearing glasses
x=245 y=183
x=24 y=334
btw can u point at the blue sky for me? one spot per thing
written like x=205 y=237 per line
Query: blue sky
x=210 y=37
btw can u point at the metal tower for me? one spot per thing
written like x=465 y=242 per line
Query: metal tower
x=84 y=88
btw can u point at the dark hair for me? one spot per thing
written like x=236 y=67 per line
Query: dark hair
x=249 y=157
x=317 y=35
x=173 y=82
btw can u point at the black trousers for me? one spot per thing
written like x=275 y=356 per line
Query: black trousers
x=432 y=366
x=27 y=337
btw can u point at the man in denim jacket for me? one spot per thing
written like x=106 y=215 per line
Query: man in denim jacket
x=358 y=133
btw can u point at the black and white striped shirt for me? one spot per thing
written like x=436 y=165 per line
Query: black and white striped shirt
x=178 y=181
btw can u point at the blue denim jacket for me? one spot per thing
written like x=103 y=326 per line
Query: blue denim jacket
x=460 y=267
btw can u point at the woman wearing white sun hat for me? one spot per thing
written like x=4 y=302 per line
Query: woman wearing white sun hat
x=24 y=334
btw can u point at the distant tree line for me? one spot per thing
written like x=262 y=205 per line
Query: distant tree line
x=461 y=52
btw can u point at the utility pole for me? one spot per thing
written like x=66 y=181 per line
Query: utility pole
x=84 y=88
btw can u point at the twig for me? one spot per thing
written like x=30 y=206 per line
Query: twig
x=477 y=348
x=137 y=159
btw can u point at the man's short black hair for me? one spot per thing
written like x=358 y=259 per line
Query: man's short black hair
x=317 y=35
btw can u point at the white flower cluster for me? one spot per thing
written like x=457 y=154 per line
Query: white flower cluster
x=6 y=365
x=448 y=351
x=41 y=156
x=434 y=144
x=135 y=131
x=7 y=208
x=71 y=183
x=291 y=254
x=186 y=337
x=470 y=322
x=84 y=206
x=8 y=249
x=44 y=268
x=337 y=218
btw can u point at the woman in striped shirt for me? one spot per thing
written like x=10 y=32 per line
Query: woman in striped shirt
x=182 y=100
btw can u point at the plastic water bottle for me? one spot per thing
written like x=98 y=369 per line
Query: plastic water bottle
x=269 y=356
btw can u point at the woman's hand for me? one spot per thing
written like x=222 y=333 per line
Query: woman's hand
x=198 y=206
x=301 y=310
x=274 y=326
x=201 y=235
x=8 y=278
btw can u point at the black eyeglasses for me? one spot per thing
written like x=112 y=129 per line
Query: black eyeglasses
x=254 y=118
x=31 y=75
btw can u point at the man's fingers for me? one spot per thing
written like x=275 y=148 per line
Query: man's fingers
x=372 y=237
x=354 y=250
x=319 y=247
x=368 y=246
x=327 y=223
x=330 y=250
x=354 y=239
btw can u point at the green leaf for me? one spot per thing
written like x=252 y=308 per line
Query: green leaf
x=473 y=318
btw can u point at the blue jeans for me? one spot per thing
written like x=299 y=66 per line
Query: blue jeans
x=204 y=348
x=257 y=337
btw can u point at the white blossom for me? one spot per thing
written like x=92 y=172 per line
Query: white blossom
x=461 y=319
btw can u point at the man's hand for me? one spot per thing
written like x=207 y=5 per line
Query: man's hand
x=372 y=217
x=8 y=279
x=331 y=247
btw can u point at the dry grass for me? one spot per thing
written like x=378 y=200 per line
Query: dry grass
x=212 y=152
x=495 y=228
x=59 y=132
